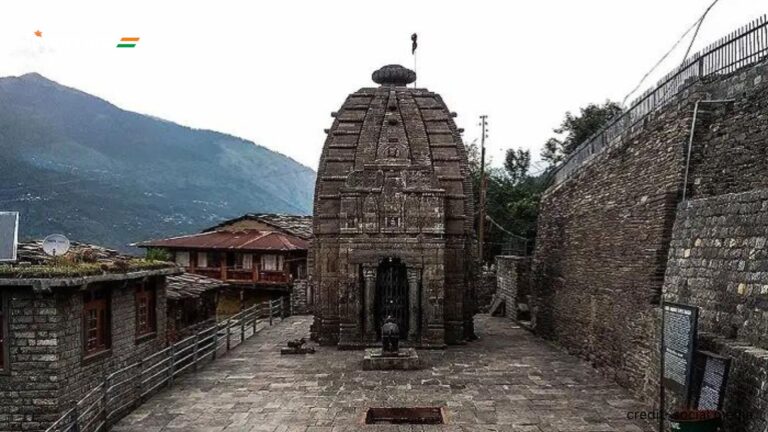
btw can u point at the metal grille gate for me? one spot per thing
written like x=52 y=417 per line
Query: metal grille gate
x=392 y=294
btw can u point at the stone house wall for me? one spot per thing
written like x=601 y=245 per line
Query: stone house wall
x=79 y=376
x=47 y=371
x=29 y=389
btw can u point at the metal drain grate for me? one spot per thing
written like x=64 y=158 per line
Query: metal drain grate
x=422 y=415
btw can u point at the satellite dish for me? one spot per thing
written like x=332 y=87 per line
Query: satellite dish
x=55 y=245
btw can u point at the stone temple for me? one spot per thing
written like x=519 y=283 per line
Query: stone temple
x=393 y=220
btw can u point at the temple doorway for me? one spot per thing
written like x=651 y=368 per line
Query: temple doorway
x=392 y=295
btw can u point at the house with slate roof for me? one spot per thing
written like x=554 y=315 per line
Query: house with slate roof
x=256 y=256
x=66 y=322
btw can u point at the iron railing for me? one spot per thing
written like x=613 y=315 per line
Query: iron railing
x=745 y=46
x=127 y=388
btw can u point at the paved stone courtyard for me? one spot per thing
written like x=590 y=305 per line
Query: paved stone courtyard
x=509 y=380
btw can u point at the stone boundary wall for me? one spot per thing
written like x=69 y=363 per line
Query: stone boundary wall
x=512 y=274
x=485 y=288
x=604 y=234
x=301 y=304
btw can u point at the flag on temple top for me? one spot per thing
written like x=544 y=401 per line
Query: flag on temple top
x=414 y=44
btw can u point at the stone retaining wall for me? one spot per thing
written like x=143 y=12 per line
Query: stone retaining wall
x=718 y=261
x=605 y=235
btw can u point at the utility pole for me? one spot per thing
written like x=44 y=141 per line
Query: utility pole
x=481 y=214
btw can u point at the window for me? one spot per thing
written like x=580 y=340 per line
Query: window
x=202 y=259
x=182 y=259
x=96 y=321
x=272 y=262
x=214 y=259
x=247 y=261
x=3 y=333
x=146 y=317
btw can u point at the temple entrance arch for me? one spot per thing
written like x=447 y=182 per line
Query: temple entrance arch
x=392 y=295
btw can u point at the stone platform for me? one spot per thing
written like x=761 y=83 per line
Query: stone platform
x=406 y=359
x=507 y=381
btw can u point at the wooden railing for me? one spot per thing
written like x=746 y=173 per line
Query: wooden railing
x=241 y=274
x=127 y=388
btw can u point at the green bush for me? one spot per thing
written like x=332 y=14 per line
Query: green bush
x=155 y=254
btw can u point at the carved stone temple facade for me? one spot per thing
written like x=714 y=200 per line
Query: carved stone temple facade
x=393 y=220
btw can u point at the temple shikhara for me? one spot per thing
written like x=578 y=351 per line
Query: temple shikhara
x=393 y=220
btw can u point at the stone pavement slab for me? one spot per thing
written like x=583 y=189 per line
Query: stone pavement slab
x=508 y=380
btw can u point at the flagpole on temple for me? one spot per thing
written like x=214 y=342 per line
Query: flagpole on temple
x=413 y=51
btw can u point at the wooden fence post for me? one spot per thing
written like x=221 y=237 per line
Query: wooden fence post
x=194 y=355
x=242 y=328
x=215 y=340
x=75 y=414
x=104 y=399
x=269 y=305
x=172 y=366
x=139 y=383
x=229 y=331
x=255 y=316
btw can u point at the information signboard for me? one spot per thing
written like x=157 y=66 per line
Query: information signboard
x=678 y=345
x=710 y=380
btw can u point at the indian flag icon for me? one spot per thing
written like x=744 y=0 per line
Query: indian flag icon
x=128 y=42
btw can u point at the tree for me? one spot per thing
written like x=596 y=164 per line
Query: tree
x=511 y=198
x=517 y=163
x=575 y=129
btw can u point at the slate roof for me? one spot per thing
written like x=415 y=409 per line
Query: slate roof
x=244 y=240
x=190 y=285
x=296 y=225
x=83 y=263
x=32 y=252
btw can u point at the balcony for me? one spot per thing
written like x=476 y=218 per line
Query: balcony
x=241 y=275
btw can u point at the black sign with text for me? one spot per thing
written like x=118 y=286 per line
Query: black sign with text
x=678 y=345
x=709 y=380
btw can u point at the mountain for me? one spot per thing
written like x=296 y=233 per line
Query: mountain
x=75 y=164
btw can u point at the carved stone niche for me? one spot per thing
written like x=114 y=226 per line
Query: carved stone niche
x=370 y=216
x=350 y=214
x=412 y=210
x=392 y=212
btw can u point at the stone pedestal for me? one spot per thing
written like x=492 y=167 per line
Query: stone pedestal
x=406 y=359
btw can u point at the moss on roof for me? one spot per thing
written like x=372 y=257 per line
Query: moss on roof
x=62 y=269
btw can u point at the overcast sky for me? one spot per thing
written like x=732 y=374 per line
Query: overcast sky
x=273 y=71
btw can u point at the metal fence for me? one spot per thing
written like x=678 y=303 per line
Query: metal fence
x=745 y=46
x=129 y=387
